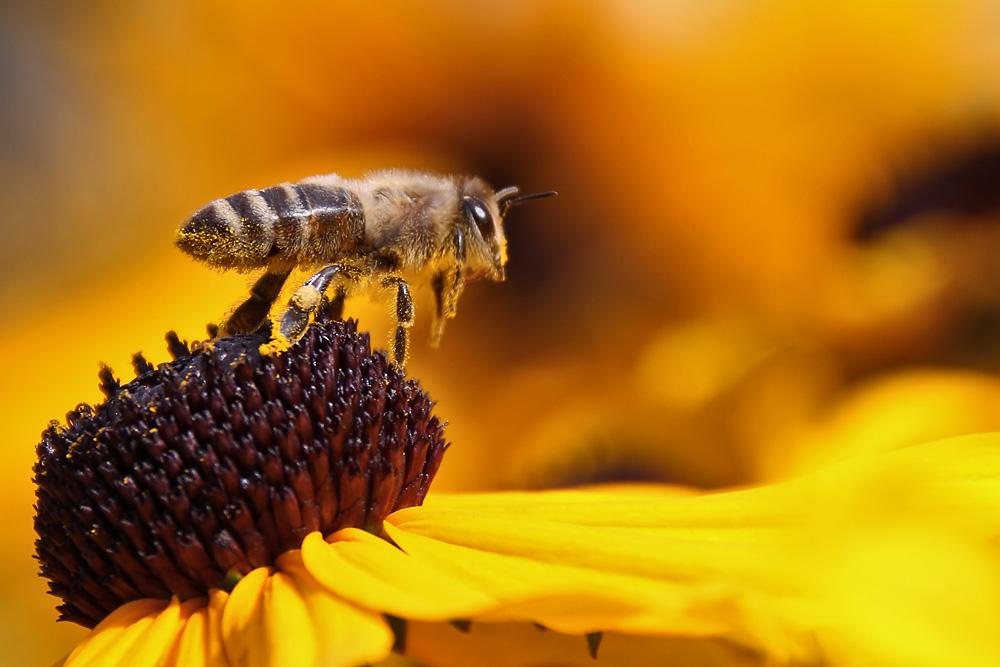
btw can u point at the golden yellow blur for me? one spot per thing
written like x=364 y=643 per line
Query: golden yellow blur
x=696 y=307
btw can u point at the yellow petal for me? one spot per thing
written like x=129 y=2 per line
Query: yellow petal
x=276 y=618
x=342 y=633
x=709 y=534
x=244 y=636
x=108 y=644
x=291 y=637
x=372 y=573
x=200 y=643
x=690 y=566
x=193 y=645
x=657 y=508
x=571 y=598
x=158 y=643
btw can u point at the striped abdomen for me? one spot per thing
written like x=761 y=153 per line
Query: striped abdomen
x=285 y=223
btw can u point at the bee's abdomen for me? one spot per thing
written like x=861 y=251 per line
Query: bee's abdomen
x=293 y=223
x=316 y=222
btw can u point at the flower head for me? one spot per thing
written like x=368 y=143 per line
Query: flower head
x=202 y=470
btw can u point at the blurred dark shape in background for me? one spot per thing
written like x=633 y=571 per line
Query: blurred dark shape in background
x=959 y=180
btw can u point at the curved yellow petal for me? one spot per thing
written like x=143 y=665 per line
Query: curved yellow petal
x=276 y=618
x=743 y=516
x=149 y=632
x=342 y=634
x=631 y=562
x=571 y=598
x=194 y=643
x=244 y=637
x=157 y=645
x=709 y=537
x=288 y=626
x=108 y=643
x=373 y=573
x=200 y=643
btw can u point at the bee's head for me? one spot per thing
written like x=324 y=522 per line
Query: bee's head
x=482 y=212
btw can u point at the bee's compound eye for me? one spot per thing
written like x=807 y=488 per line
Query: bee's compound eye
x=477 y=211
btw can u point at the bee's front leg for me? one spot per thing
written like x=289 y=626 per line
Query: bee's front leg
x=308 y=298
x=447 y=285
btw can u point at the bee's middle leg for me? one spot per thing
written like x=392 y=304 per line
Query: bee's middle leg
x=308 y=299
x=404 y=319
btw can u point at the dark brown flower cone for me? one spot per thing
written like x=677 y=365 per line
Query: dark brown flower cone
x=219 y=461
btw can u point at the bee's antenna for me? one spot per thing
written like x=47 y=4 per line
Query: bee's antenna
x=506 y=198
x=507 y=193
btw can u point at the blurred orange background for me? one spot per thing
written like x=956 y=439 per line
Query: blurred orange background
x=765 y=254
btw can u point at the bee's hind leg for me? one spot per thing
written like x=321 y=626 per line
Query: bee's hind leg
x=251 y=315
x=404 y=319
x=308 y=299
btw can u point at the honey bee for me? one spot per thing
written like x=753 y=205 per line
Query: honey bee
x=381 y=233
